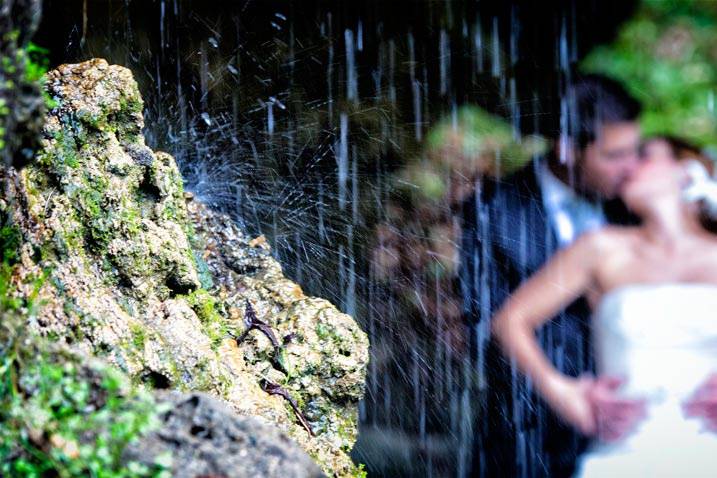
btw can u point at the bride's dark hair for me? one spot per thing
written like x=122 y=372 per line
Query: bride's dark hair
x=708 y=220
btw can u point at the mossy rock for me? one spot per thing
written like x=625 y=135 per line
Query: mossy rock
x=108 y=218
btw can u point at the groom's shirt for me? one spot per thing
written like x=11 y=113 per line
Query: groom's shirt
x=570 y=213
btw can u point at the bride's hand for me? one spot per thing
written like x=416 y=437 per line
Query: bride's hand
x=615 y=415
x=703 y=403
x=569 y=397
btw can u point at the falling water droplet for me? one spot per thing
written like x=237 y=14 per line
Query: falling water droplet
x=478 y=46
x=359 y=36
x=161 y=25
x=351 y=74
x=391 y=72
x=270 y=117
x=496 y=49
x=342 y=159
x=278 y=103
x=445 y=58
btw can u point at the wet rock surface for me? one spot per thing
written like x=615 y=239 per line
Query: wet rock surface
x=204 y=438
x=323 y=354
x=157 y=284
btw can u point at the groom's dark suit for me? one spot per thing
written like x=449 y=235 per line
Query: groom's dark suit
x=507 y=237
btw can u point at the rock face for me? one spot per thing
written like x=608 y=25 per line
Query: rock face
x=323 y=356
x=204 y=438
x=167 y=290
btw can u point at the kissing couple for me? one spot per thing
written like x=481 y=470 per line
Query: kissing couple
x=603 y=358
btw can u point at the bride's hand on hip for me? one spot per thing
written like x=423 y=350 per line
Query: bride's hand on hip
x=703 y=403
x=615 y=416
x=593 y=406
x=569 y=397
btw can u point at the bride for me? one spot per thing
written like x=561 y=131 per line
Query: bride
x=653 y=289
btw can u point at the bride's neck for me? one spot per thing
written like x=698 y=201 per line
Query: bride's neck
x=669 y=222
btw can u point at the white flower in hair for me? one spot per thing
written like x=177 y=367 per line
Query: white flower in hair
x=701 y=187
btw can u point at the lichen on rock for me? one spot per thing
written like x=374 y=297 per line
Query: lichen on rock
x=157 y=284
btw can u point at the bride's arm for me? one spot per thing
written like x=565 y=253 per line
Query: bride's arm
x=567 y=276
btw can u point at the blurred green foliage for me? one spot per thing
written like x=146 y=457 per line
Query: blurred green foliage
x=460 y=147
x=667 y=57
x=487 y=141
x=38 y=62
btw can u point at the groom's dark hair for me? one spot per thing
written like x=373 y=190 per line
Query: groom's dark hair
x=595 y=100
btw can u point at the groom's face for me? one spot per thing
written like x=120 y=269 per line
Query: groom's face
x=608 y=162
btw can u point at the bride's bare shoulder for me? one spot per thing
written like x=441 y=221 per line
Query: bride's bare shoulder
x=608 y=238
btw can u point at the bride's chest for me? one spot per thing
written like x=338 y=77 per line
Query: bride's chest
x=650 y=267
x=654 y=315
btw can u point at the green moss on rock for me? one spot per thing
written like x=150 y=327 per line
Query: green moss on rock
x=213 y=323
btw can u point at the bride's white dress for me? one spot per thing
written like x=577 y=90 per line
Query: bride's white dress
x=663 y=339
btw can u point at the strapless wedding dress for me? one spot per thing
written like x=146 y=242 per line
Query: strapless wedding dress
x=663 y=340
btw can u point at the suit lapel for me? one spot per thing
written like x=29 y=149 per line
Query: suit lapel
x=526 y=234
x=523 y=232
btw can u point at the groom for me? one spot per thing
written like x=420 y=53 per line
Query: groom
x=511 y=227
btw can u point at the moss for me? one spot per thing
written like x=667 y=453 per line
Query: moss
x=37 y=62
x=206 y=280
x=170 y=212
x=131 y=104
x=322 y=331
x=134 y=265
x=98 y=122
x=127 y=305
x=205 y=275
x=205 y=380
x=172 y=367
x=360 y=471
x=67 y=240
x=61 y=416
x=73 y=236
x=124 y=122
x=139 y=335
x=63 y=154
x=10 y=240
x=326 y=331
x=90 y=202
x=36 y=182
x=130 y=219
x=70 y=309
x=214 y=325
